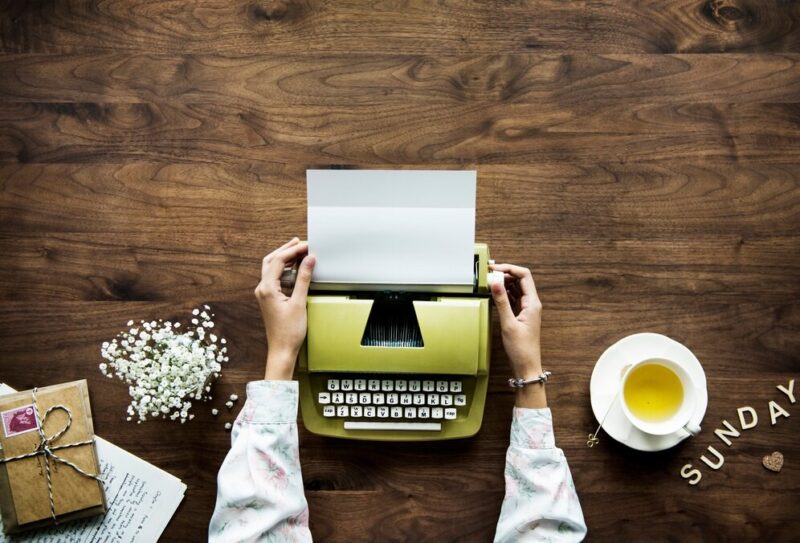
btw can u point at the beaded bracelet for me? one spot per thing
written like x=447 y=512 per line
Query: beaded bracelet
x=519 y=383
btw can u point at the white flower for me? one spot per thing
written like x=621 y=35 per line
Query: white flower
x=228 y=426
x=229 y=404
x=215 y=411
x=195 y=311
x=164 y=369
x=234 y=397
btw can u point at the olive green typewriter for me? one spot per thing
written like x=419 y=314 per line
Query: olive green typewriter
x=395 y=362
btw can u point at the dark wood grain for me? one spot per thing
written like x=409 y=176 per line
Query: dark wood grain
x=247 y=26
x=642 y=157
x=436 y=133
x=329 y=79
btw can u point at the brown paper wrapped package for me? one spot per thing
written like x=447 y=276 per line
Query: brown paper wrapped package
x=24 y=500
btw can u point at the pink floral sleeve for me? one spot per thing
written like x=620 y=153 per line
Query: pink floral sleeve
x=259 y=486
x=540 y=503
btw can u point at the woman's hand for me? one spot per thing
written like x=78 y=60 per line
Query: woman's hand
x=284 y=316
x=520 y=314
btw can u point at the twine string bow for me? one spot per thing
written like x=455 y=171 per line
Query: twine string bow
x=45 y=448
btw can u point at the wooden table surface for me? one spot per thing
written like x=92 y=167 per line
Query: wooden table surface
x=642 y=157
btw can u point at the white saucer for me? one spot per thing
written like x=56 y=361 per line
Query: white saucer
x=606 y=380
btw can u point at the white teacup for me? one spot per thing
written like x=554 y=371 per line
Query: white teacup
x=659 y=396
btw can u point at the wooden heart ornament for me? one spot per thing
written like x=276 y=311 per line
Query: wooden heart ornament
x=773 y=462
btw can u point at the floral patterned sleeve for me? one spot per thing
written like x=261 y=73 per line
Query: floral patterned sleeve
x=540 y=503
x=259 y=486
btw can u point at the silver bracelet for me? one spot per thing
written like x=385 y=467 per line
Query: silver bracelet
x=519 y=383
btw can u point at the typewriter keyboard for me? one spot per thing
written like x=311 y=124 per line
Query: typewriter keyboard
x=392 y=403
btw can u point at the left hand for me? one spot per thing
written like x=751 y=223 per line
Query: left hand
x=284 y=316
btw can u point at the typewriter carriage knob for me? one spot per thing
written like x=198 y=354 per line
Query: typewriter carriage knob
x=288 y=279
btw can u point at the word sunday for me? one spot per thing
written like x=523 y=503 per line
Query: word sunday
x=748 y=418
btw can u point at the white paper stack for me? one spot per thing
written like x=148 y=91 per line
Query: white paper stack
x=141 y=500
x=398 y=227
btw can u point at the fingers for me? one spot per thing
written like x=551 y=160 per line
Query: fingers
x=267 y=259
x=503 y=303
x=273 y=264
x=529 y=295
x=294 y=241
x=303 y=281
x=283 y=258
x=518 y=272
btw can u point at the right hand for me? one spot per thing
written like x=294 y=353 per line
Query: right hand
x=520 y=314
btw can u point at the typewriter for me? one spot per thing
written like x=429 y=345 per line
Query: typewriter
x=389 y=365
x=395 y=351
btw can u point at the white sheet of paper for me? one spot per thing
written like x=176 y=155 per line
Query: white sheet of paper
x=392 y=227
x=141 y=500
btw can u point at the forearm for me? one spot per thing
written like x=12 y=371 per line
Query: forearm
x=531 y=397
x=259 y=486
x=280 y=365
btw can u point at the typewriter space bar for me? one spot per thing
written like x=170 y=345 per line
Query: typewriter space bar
x=425 y=426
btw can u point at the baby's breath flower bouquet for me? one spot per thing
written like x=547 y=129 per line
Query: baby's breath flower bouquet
x=166 y=369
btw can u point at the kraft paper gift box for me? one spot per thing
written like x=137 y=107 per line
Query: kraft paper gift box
x=25 y=496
